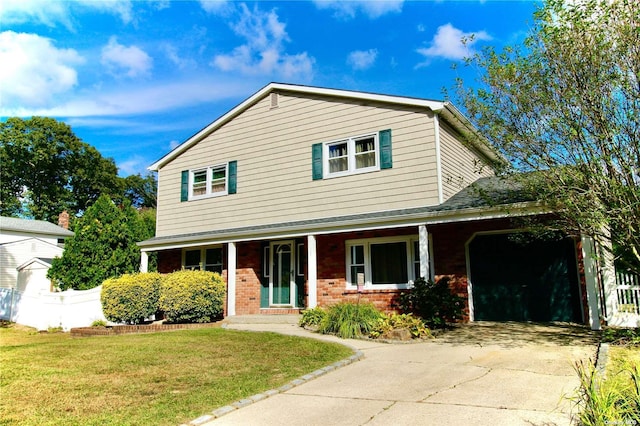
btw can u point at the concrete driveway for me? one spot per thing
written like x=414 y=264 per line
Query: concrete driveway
x=480 y=374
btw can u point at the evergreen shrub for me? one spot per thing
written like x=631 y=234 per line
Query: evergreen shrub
x=130 y=298
x=192 y=296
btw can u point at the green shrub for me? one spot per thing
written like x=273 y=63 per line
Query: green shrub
x=99 y=323
x=130 y=298
x=391 y=322
x=349 y=320
x=434 y=302
x=312 y=317
x=192 y=296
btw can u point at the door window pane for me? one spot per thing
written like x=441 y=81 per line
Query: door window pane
x=389 y=263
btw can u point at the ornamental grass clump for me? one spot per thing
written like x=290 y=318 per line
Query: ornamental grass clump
x=387 y=323
x=130 y=298
x=192 y=296
x=350 y=320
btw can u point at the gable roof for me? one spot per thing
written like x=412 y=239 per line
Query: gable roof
x=444 y=108
x=32 y=227
x=44 y=261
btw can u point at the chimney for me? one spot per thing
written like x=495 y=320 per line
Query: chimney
x=63 y=220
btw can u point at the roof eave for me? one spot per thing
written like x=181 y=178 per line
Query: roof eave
x=347 y=225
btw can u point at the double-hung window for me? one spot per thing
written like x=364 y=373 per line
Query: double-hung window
x=209 y=181
x=381 y=263
x=351 y=155
x=207 y=259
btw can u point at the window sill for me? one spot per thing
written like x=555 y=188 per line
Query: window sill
x=204 y=197
x=379 y=287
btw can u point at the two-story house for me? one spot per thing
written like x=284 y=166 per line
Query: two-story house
x=303 y=196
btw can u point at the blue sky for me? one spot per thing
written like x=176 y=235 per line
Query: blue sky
x=136 y=78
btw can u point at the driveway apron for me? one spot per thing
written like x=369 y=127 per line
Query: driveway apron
x=479 y=374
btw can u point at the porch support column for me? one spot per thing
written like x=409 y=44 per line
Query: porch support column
x=144 y=261
x=591 y=280
x=231 y=279
x=423 y=244
x=312 y=270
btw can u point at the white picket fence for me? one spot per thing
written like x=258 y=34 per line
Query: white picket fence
x=627 y=307
x=44 y=310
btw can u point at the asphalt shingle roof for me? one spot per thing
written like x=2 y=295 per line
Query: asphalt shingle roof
x=32 y=227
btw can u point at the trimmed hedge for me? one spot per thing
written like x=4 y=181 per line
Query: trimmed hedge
x=130 y=298
x=192 y=296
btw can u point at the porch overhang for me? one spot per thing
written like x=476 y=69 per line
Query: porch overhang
x=429 y=215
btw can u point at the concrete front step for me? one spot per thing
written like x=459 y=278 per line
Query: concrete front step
x=263 y=319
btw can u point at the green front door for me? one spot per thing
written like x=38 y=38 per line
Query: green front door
x=282 y=283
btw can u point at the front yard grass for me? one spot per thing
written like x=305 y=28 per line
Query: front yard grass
x=161 y=379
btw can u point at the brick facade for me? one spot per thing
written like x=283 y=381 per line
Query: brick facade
x=449 y=259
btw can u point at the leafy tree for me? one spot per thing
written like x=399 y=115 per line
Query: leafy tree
x=46 y=169
x=104 y=246
x=565 y=106
x=141 y=191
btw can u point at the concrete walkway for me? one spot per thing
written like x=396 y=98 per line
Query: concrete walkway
x=480 y=374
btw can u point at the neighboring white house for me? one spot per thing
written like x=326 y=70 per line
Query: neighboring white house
x=23 y=240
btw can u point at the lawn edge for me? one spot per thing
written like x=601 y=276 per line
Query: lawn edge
x=219 y=412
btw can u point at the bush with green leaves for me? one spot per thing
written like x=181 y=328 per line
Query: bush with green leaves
x=312 y=317
x=192 y=296
x=388 y=323
x=131 y=298
x=349 y=320
x=434 y=302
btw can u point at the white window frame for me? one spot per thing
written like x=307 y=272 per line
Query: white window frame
x=366 y=243
x=209 y=191
x=203 y=257
x=351 y=156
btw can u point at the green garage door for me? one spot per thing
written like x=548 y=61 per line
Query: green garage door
x=523 y=279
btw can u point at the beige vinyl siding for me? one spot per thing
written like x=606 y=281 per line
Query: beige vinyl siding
x=273 y=149
x=461 y=165
x=16 y=253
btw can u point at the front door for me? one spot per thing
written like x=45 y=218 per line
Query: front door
x=282 y=283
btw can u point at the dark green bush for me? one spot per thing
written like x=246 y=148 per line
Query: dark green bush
x=192 y=296
x=130 y=298
x=312 y=317
x=349 y=320
x=434 y=302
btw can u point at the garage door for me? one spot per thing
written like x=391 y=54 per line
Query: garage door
x=515 y=277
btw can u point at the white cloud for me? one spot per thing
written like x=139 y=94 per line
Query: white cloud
x=448 y=43
x=215 y=6
x=371 y=8
x=131 y=60
x=138 y=99
x=54 y=12
x=362 y=59
x=264 y=52
x=27 y=79
x=174 y=144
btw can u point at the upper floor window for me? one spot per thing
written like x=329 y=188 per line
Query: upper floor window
x=357 y=154
x=209 y=181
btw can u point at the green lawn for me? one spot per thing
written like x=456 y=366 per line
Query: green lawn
x=160 y=379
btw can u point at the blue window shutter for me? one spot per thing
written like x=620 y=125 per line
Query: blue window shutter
x=385 y=149
x=233 y=180
x=184 y=186
x=316 y=164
